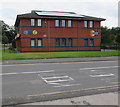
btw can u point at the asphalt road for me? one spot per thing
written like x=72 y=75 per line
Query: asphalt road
x=34 y=79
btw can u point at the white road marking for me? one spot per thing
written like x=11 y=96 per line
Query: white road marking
x=33 y=72
x=102 y=75
x=56 y=77
x=66 y=85
x=99 y=68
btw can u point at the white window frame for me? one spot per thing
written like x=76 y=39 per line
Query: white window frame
x=91 y=24
x=39 y=42
x=39 y=22
x=69 y=23
x=63 y=23
x=85 y=24
x=32 y=22
x=32 y=42
x=57 y=23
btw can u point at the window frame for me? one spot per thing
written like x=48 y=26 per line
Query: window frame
x=91 y=25
x=85 y=43
x=57 y=42
x=39 y=20
x=92 y=41
x=63 y=42
x=32 y=22
x=57 y=23
x=64 y=23
x=69 y=23
x=85 y=24
x=40 y=43
x=31 y=42
x=70 y=42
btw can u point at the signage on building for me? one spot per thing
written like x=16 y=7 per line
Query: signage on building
x=28 y=32
x=93 y=33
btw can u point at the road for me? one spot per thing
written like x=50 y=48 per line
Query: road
x=35 y=79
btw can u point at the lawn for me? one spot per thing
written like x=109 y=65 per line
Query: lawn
x=8 y=55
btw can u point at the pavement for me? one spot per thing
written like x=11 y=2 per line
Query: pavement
x=98 y=99
x=60 y=60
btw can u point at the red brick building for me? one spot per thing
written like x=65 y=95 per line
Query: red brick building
x=44 y=31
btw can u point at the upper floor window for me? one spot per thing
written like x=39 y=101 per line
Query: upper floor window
x=57 y=23
x=85 y=24
x=32 y=22
x=63 y=23
x=91 y=24
x=39 y=22
x=69 y=23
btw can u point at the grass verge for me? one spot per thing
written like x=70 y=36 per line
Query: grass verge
x=7 y=55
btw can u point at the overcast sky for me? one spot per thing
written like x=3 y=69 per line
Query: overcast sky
x=107 y=9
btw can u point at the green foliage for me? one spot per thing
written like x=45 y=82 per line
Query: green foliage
x=7 y=31
x=4 y=39
x=110 y=37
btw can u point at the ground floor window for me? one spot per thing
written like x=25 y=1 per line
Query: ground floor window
x=70 y=42
x=85 y=42
x=40 y=42
x=63 y=42
x=57 y=42
x=32 y=42
x=91 y=42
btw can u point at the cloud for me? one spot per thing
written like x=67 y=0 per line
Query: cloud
x=106 y=10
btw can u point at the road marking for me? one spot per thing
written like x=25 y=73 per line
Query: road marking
x=102 y=75
x=56 y=79
x=33 y=72
x=66 y=85
x=99 y=68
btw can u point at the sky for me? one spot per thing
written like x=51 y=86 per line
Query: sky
x=107 y=9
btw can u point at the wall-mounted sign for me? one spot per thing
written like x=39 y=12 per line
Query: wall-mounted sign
x=93 y=33
x=28 y=32
x=34 y=32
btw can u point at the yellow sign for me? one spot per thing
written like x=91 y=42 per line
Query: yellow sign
x=34 y=32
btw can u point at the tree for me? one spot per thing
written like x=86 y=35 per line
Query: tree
x=7 y=31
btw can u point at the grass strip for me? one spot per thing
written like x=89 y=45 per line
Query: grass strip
x=7 y=55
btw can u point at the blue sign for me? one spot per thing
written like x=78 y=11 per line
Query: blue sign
x=26 y=32
x=95 y=33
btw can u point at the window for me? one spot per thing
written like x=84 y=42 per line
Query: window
x=32 y=22
x=85 y=42
x=39 y=22
x=57 y=23
x=63 y=42
x=32 y=42
x=63 y=23
x=39 y=42
x=57 y=42
x=69 y=23
x=70 y=42
x=91 y=24
x=85 y=24
x=91 y=42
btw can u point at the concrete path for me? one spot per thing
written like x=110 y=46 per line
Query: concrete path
x=98 y=99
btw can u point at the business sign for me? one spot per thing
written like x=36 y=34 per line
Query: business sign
x=29 y=32
x=93 y=33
